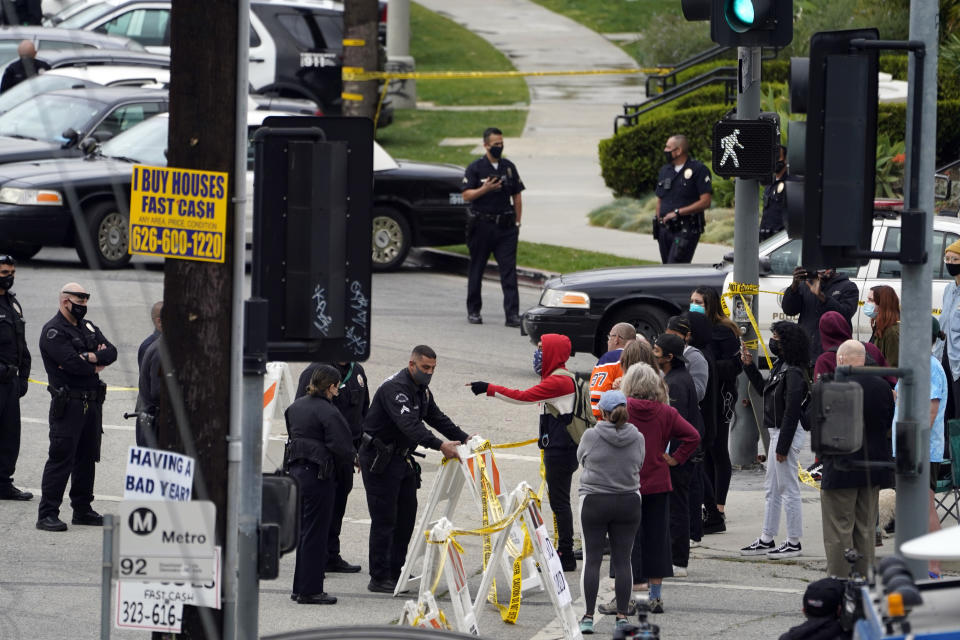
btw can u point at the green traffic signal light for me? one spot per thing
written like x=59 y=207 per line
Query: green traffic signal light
x=740 y=15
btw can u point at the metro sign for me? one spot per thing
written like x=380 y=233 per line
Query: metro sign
x=745 y=148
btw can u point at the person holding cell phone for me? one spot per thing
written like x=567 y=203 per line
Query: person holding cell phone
x=815 y=292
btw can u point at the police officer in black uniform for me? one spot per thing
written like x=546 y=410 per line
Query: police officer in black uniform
x=74 y=352
x=353 y=401
x=392 y=430
x=14 y=371
x=683 y=194
x=492 y=186
x=775 y=199
x=148 y=394
x=319 y=444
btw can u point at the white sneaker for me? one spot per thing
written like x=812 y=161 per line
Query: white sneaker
x=679 y=572
x=694 y=544
x=786 y=550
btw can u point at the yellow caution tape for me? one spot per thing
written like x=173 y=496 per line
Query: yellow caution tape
x=741 y=289
x=479 y=75
x=354 y=42
x=42 y=383
x=806 y=478
x=513 y=445
x=745 y=289
x=355 y=97
x=488 y=497
x=353 y=70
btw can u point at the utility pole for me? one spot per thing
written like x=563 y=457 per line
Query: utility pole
x=360 y=53
x=746 y=248
x=913 y=490
x=402 y=93
x=199 y=315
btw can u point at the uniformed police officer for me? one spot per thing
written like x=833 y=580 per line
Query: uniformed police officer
x=392 y=430
x=14 y=371
x=74 y=352
x=492 y=186
x=353 y=400
x=148 y=394
x=775 y=199
x=683 y=194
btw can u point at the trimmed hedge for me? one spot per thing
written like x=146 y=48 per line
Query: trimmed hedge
x=630 y=160
x=775 y=70
x=948 y=82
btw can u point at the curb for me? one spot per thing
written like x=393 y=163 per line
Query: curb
x=450 y=262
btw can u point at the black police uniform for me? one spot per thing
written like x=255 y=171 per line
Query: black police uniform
x=678 y=238
x=492 y=226
x=390 y=476
x=353 y=403
x=14 y=371
x=319 y=442
x=19 y=70
x=148 y=394
x=142 y=350
x=76 y=411
x=774 y=207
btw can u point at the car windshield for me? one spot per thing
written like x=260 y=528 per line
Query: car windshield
x=145 y=143
x=47 y=116
x=82 y=18
x=35 y=86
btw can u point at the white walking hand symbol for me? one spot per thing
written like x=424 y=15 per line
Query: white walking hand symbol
x=728 y=143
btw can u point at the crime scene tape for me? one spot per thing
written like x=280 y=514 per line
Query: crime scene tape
x=806 y=478
x=45 y=384
x=740 y=289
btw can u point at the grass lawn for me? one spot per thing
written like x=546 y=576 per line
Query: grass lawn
x=629 y=214
x=610 y=16
x=439 y=44
x=550 y=257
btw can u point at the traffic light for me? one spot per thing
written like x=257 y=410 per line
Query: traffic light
x=832 y=156
x=744 y=23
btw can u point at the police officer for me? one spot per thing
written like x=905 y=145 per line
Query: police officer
x=74 y=352
x=14 y=371
x=353 y=401
x=148 y=394
x=683 y=194
x=492 y=186
x=775 y=199
x=392 y=430
x=155 y=312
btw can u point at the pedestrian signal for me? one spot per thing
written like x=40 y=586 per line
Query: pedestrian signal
x=746 y=148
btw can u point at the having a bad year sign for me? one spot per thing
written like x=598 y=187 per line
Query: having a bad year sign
x=178 y=213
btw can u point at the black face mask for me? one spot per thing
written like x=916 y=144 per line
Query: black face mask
x=496 y=152
x=6 y=282
x=78 y=311
x=952 y=268
x=668 y=156
x=773 y=346
x=421 y=378
x=779 y=166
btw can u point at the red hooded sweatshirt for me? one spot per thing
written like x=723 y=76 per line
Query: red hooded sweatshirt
x=660 y=423
x=834 y=331
x=557 y=391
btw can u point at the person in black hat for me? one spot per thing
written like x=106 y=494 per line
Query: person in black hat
x=821 y=605
x=668 y=351
x=15 y=365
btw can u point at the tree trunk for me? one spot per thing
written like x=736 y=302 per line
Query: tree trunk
x=360 y=22
x=197 y=295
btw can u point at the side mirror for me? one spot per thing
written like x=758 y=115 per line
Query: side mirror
x=71 y=135
x=765 y=266
x=88 y=145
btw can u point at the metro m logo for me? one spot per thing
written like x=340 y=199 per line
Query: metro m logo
x=142 y=521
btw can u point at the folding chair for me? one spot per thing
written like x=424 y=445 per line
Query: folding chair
x=950 y=486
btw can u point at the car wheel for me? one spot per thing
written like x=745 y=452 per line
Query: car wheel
x=390 y=239
x=108 y=231
x=21 y=251
x=649 y=320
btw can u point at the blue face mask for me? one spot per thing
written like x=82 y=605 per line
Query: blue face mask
x=538 y=361
x=698 y=308
x=870 y=309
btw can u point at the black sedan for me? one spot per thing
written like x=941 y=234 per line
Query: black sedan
x=415 y=204
x=584 y=305
x=51 y=125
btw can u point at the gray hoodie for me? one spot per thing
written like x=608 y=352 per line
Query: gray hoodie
x=611 y=459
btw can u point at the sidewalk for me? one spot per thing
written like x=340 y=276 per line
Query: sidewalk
x=569 y=115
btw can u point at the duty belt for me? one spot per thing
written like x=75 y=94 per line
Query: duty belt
x=8 y=372
x=491 y=217
x=75 y=395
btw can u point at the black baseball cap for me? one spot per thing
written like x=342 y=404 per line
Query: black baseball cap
x=679 y=323
x=822 y=598
x=673 y=345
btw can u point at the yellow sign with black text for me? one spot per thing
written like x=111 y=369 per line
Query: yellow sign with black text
x=178 y=213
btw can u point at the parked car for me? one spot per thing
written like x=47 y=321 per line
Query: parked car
x=51 y=125
x=415 y=203
x=57 y=58
x=584 y=305
x=50 y=39
x=296 y=46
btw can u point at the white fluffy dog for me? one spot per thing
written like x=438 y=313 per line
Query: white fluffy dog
x=888 y=506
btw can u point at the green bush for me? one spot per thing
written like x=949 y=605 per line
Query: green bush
x=948 y=82
x=892 y=119
x=630 y=160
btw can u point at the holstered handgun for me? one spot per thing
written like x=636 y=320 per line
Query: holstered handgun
x=384 y=452
x=58 y=402
x=101 y=391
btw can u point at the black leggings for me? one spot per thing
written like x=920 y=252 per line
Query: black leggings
x=717 y=467
x=616 y=515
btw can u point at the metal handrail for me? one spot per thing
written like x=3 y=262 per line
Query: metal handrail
x=631 y=112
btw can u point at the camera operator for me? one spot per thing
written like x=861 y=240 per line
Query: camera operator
x=812 y=294
x=683 y=193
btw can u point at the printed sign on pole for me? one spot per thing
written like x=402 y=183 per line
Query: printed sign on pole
x=153 y=474
x=162 y=540
x=178 y=213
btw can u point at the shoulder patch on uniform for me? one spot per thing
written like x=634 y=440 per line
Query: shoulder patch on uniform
x=464 y=179
x=90 y=327
x=706 y=178
x=360 y=380
x=404 y=409
x=16 y=307
x=402 y=397
x=688 y=173
x=51 y=333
